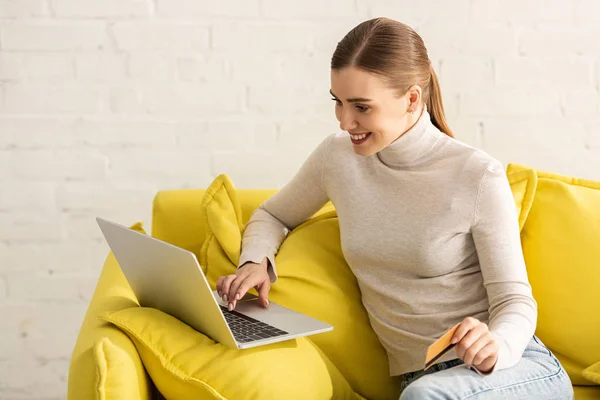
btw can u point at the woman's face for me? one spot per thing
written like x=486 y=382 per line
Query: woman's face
x=364 y=105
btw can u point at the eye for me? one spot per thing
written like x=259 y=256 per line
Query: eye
x=362 y=109
x=337 y=102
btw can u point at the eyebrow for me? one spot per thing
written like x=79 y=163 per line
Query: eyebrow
x=353 y=100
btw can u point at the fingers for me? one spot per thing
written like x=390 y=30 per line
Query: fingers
x=464 y=345
x=241 y=285
x=220 y=286
x=487 y=356
x=263 y=292
x=473 y=350
x=225 y=286
x=465 y=326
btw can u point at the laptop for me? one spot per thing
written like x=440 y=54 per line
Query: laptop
x=169 y=278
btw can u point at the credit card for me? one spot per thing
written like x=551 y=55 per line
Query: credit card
x=440 y=347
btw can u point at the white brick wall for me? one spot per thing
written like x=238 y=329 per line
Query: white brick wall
x=103 y=103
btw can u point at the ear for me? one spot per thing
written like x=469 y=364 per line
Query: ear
x=414 y=95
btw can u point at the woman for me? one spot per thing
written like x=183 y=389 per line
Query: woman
x=428 y=226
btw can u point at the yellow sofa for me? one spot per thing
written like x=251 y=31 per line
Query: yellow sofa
x=110 y=362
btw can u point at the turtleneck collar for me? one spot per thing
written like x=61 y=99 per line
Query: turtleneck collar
x=414 y=146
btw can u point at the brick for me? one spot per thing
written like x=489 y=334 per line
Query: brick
x=5 y=166
x=417 y=13
x=47 y=66
x=552 y=143
x=266 y=169
x=23 y=8
x=10 y=67
x=145 y=66
x=262 y=37
x=592 y=136
x=309 y=9
x=97 y=197
x=50 y=99
x=459 y=73
x=294 y=68
x=42 y=165
x=581 y=103
x=28 y=196
x=326 y=38
x=305 y=134
x=40 y=287
x=37 y=133
x=125 y=100
x=101 y=67
x=204 y=67
x=158 y=167
x=165 y=37
x=43 y=376
x=3 y=285
x=288 y=101
x=471 y=40
x=512 y=12
x=27 y=226
x=559 y=41
x=102 y=134
x=100 y=9
x=224 y=135
x=79 y=226
x=194 y=100
x=467 y=130
x=54 y=36
x=533 y=71
x=511 y=102
x=192 y=8
x=586 y=11
x=72 y=256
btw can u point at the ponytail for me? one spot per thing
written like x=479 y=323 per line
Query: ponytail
x=435 y=106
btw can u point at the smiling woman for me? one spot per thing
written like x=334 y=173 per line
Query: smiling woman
x=427 y=223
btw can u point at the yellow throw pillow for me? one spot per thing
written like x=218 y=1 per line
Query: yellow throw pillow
x=115 y=372
x=187 y=365
x=560 y=241
x=222 y=218
x=314 y=279
x=523 y=184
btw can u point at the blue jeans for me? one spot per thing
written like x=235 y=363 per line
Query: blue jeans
x=538 y=375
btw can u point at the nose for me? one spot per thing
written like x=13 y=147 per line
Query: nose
x=347 y=121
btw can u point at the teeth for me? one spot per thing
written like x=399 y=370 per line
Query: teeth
x=359 y=137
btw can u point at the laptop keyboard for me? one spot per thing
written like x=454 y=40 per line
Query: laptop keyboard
x=246 y=329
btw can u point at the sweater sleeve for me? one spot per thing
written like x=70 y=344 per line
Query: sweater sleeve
x=495 y=230
x=296 y=202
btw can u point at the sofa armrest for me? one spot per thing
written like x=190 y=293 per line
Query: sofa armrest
x=112 y=293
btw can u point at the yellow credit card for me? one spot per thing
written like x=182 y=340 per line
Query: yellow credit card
x=440 y=347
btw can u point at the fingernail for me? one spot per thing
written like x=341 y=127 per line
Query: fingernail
x=224 y=297
x=267 y=302
x=453 y=341
x=230 y=307
x=237 y=296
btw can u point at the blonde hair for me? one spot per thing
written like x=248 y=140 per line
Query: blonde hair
x=396 y=53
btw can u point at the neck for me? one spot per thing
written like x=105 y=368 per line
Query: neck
x=413 y=146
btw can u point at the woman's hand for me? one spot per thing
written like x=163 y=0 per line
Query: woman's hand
x=475 y=345
x=231 y=288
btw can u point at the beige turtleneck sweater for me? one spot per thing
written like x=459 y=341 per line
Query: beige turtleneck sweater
x=429 y=228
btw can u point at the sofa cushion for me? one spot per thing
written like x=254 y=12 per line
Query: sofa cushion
x=185 y=364
x=116 y=376
x=560 y=241
x=313 y=279
x=523 y=184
